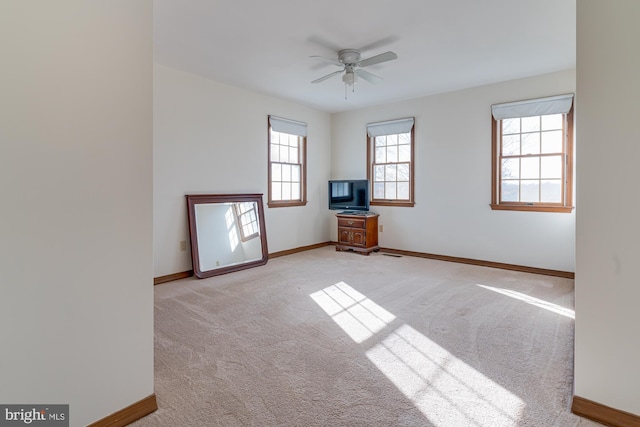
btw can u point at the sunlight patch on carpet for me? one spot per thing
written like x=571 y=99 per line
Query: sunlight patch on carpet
x=555 y=308
x=356 y=314
x=445 y=389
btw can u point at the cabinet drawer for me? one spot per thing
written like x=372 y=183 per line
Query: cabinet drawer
x=351 y=222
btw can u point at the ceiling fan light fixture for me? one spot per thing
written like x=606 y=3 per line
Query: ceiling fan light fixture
x=349 y=78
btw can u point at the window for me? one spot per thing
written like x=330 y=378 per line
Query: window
x=390 y=162
x=532 y=153
x=287 y=158
x=247 y=220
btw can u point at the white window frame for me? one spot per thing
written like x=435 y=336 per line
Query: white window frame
x=539 y=107
x=392 y=128
x=298 y=130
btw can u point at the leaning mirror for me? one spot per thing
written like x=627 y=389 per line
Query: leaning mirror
x=227 y=233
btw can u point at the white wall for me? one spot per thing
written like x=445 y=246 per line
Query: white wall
x=76 y=300
x=453 y=179
x=212 y=138
x=608 y=236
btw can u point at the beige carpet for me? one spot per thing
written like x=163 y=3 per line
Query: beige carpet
x=325 y=338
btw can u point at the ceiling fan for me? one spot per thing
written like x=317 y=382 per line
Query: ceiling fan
x=351 y=64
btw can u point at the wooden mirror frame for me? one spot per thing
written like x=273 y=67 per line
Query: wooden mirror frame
x=196 y=199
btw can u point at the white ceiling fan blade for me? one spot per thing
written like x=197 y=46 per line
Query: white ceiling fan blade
x=328 y=76
x=332 y=61
x=383 y=57
x=379 y=43
x=371 y=78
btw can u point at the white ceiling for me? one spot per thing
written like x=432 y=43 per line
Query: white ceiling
x=442 y=45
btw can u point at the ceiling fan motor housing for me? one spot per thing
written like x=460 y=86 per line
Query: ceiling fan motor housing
x=349 y=56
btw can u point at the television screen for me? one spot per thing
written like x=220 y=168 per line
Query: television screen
x=349 y=195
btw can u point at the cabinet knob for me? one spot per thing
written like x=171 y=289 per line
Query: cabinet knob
x=350 y=222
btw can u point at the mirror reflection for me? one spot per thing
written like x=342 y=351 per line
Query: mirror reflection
x=227 y=233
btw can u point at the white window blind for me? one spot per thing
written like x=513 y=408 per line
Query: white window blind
x=533 y=107
x=392 y=127
x=291 y=127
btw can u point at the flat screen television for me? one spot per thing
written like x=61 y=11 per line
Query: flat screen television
x=349 y=195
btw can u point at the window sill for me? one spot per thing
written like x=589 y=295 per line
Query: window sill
x=392 y=203
x=532 y=208
x=286 y=204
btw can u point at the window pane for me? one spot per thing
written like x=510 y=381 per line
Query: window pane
x=378 y=172
x=390 y=173
x=286 y=191
x=511 y=168
x=530 y=168
x=510 y=126
x=284 y=153
x=530 y=124
x=551 y=191
x=404 y=153
x=531 y=143
x=381 y=141
x=295 y=173
x=392 y=139
x=275 y=153
x=510 y=191
x=295 y=191
x=551 y=167
x=553 y=121
x=392 y=154
x=403 y=190
x=286 y=173
x=276 y=172
x=403 y=172
x=404 y=138
x=276 y=191
x=381 y=155
x=511 y=145
x=530 y=190
x=293 y=140
x=552 y=142
x=390 y=190
x=293 y=155
x=378 y=190
x=275 y=137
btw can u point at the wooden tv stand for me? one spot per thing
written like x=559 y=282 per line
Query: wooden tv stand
x=358 y=232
